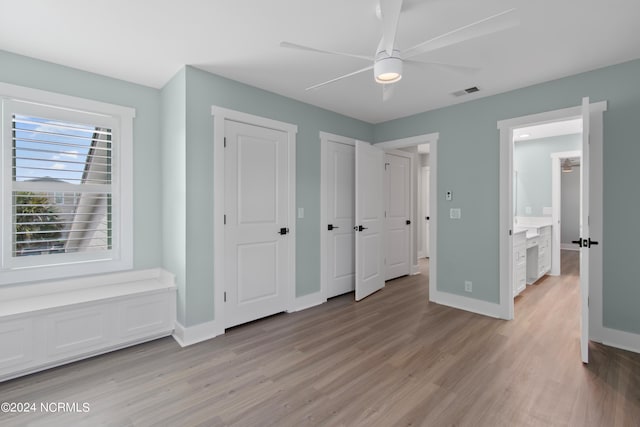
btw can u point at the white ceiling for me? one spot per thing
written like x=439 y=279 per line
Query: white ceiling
x=148 y=41
x=567 y=127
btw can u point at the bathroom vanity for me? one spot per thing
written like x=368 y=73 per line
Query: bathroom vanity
x=531 y=254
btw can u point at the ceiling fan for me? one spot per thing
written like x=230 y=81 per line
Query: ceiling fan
x=389 y=59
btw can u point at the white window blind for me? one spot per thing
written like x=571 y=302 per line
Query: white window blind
x=62 y=200
x=67 y=192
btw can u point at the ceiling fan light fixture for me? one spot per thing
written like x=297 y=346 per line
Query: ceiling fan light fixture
x=388 y=70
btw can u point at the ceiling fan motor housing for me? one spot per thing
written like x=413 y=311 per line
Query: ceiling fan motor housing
x=387 y=68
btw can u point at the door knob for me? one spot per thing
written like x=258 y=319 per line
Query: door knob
x=283 y=231
x=360 y=228
x=408 y=222
x=331 y=227
x=578 y=242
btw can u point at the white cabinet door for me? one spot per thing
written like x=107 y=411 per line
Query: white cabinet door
x=256 y=209
x=397 y=193
x=369 y=219
x=340 y=218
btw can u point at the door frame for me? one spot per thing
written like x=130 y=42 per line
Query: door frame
x=325 y=138
x=556 y=205
x=220 y=115
x=432 y=140
x=506 y=128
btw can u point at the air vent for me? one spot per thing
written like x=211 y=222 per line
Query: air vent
x=466 y=91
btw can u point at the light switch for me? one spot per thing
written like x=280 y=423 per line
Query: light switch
x=300 y=212
x=455 y=213
x=449 y=195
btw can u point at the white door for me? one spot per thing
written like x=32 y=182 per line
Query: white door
x=397 y=194
x=369 y=219
x=340 y=218
x=256 y=212
x=426 y=177
x=584 y=234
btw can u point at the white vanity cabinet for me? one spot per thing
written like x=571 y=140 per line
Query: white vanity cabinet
x=538 y=253
x=519 y=262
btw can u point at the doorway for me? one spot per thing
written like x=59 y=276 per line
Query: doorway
x=327 y=271
x=591 y=212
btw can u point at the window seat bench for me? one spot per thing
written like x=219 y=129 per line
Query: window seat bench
x=49 y=324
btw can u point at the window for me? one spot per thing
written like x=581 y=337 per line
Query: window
x=66 y=193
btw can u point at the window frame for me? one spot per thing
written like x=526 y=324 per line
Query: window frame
x=50 y=105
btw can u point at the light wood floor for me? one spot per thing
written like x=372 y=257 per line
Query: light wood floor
x=392 y=359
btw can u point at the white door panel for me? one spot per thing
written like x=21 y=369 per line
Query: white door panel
x=425 y=210
x=584 y=233
x=256 y=208
x=370 y=217
x=398 y=212
x=341 y=216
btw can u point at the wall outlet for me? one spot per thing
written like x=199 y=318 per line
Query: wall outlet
x=468 y=286
x=455 y=213
x=449 y=195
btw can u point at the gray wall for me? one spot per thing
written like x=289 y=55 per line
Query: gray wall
x=532 y=161
x=204 y=90
x=147 y=195
x=570 y=205
x=174 y=188
x=468 y=165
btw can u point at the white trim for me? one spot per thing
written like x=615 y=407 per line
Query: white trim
x=465 y=303
x=556 y=206
x=221 y=114
x=65 y=107
x=619 y=339
x=506 y=128
x=189 y=335
x=308 y=301
x=66 y=102
x=325 y=138
x=415 y=269
x=432 y=140
x=550 y=116
x=411 y=141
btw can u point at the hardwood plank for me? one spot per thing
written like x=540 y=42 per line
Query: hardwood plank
x=391 y=359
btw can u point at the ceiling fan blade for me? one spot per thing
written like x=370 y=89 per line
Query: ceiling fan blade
x=362 y=70
x=492 y=24
x=465 y=69
x=387 y=91
x=390 y=12
x=289 y=45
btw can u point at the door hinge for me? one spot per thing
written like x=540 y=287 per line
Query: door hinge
x=225 y=296
x=510 y=232
x=225 y=142
x=225 y=219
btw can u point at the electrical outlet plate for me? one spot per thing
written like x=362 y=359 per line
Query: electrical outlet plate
x=468 y=286
x=455 y=213
x=449 y=195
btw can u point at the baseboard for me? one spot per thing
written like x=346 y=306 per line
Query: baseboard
x=415 y=269
x=621 y=339
x=569 y=247
x=468 y=304
x=189 y=335
x=308 y=301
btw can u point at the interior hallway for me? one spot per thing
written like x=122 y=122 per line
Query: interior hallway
x=392 y=359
